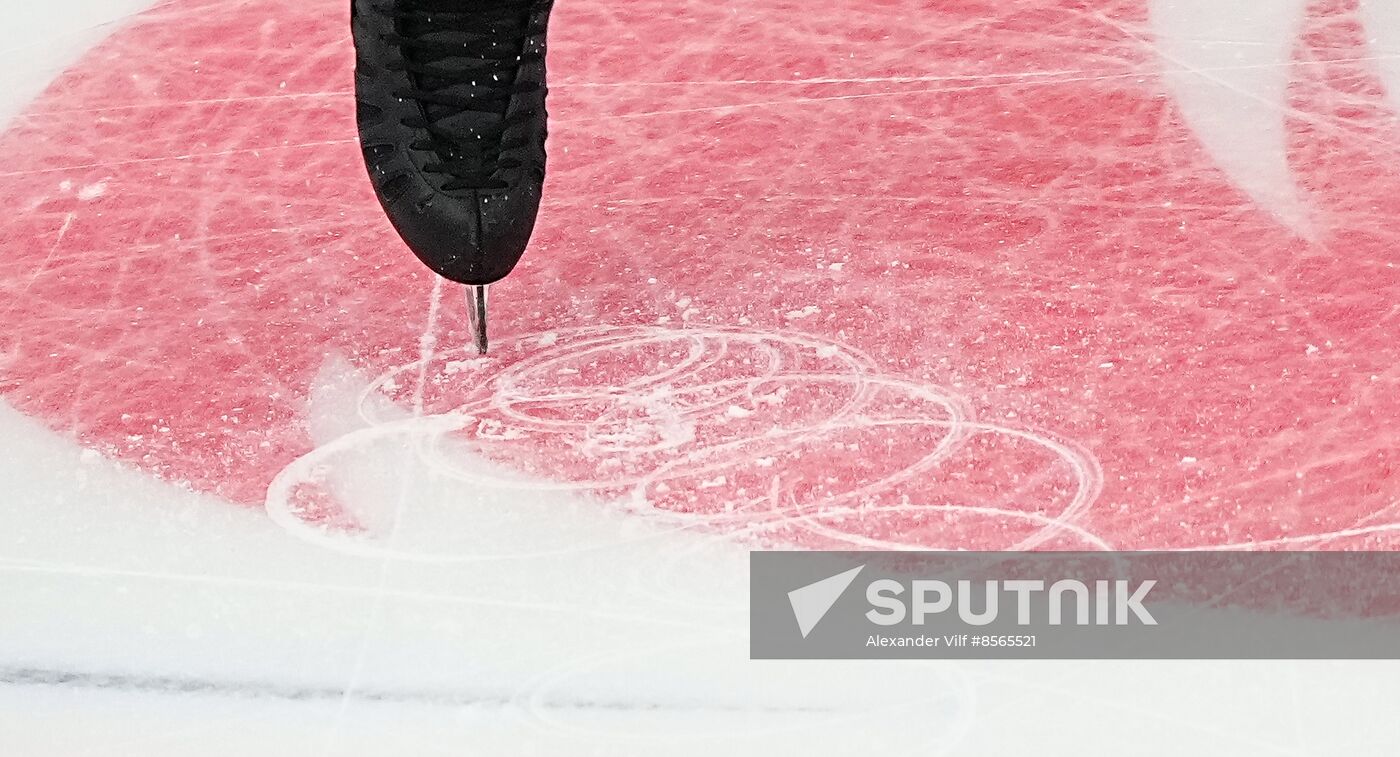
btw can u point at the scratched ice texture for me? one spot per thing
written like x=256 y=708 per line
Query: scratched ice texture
x=896 y=273
x=855 y=273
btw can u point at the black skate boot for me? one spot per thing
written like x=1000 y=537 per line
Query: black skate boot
x=451 y=111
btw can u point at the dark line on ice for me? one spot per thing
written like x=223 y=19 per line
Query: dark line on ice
x=296 y=693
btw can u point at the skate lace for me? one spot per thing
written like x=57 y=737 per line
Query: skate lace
x=463 y=57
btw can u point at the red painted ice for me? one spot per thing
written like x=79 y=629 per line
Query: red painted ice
x=962 y=274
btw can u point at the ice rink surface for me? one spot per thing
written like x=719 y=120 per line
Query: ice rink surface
x=845 y=274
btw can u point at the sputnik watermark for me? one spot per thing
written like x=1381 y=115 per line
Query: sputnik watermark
x=1113 y=602
x=921 y=600
x=1075 y=605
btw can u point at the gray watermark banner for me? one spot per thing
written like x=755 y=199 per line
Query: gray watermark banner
x=1074 y=605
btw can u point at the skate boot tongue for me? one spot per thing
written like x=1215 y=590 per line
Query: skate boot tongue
x=464 y=55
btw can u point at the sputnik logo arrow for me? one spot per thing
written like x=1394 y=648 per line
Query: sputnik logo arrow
x=812 y=602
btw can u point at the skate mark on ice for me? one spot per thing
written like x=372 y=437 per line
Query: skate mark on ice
x=427 y=344
x=275 y=690
x=779 y=438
